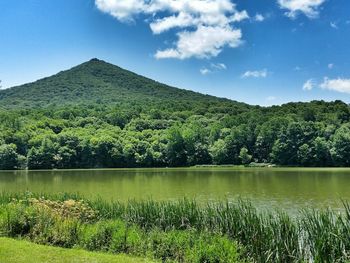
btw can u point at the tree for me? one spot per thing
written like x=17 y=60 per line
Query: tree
x=66 y=158
x=234 y=142
x=43 y=157
x=291 y=146
x=196 y=144
x=9 y=159
x=321 y=153
x=176 y=149
x=279 y=154
x=267 y=135
x=107 y=151
x=244 y=156
x=304 y=155
x=341 y=146
x=218 y=152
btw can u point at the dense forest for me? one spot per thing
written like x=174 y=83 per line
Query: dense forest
x=99 y=115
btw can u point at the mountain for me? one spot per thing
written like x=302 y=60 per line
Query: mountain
x=99 y=82
x=99 y=115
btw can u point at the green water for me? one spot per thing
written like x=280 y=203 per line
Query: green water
x=288 y=188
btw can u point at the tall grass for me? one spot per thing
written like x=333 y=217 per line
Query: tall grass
x=266 y=236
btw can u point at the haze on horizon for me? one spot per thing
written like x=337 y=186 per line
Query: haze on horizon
x=249 y=51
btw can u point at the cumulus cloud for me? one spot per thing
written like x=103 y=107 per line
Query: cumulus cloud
x=330 y=65
x=309 y=84
x=204 y=27
x=181 y=20
x=310 y=8
x=339 y=85
x=205 y=42
x=123 y=10
x=255 y=74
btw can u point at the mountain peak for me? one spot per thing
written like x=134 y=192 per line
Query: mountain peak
x=91 y=82
x=96 y=60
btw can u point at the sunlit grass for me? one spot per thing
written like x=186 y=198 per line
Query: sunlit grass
x=16 y=251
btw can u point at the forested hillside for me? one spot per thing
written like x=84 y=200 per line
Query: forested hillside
x=98 y=82
x=99 y=115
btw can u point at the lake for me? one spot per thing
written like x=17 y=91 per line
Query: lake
x=288 y=188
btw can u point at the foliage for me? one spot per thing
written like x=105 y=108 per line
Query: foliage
x=9 y=159
x=244 y=156
x=99 y=115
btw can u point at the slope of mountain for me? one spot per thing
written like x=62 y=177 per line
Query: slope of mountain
x=96 y=81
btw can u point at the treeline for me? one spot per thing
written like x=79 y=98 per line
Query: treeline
x=130 y=135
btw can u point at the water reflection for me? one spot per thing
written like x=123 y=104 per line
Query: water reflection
x=287 y=188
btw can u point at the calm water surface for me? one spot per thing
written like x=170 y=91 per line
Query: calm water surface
x=288 y=188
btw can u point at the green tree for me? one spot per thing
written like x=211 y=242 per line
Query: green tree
x=43 y=157
x=321 y=153
x=176 y=148
x=341 y=146
x=218 y=152
x=66 y=158
x=304 y=155
x=268 y=133
x=234 y=142
x=9 y=159
x=244 y=156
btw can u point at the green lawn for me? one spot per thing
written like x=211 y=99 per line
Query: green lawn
x=14 y=251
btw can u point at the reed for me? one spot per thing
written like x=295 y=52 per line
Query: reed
x=264 y=236
x=43 y=222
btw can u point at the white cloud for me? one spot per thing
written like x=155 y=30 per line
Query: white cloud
x=309 y=84
x=205 y=42
x=239 y=16
x=219 y=66
x=204 y=27
x=255 y=74
x=310 y=8
x=330 y=65
x=334 y=25
x=123 y=10
x=259 y=17
x=214 y=67
x=205 y=71
x=181 y=20
x=340 y=85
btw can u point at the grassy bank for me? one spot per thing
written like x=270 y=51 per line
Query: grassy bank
x=74 y=223
x=19 y=251
x=181 y=231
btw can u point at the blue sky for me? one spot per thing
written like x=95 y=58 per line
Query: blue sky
x=256 y=51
